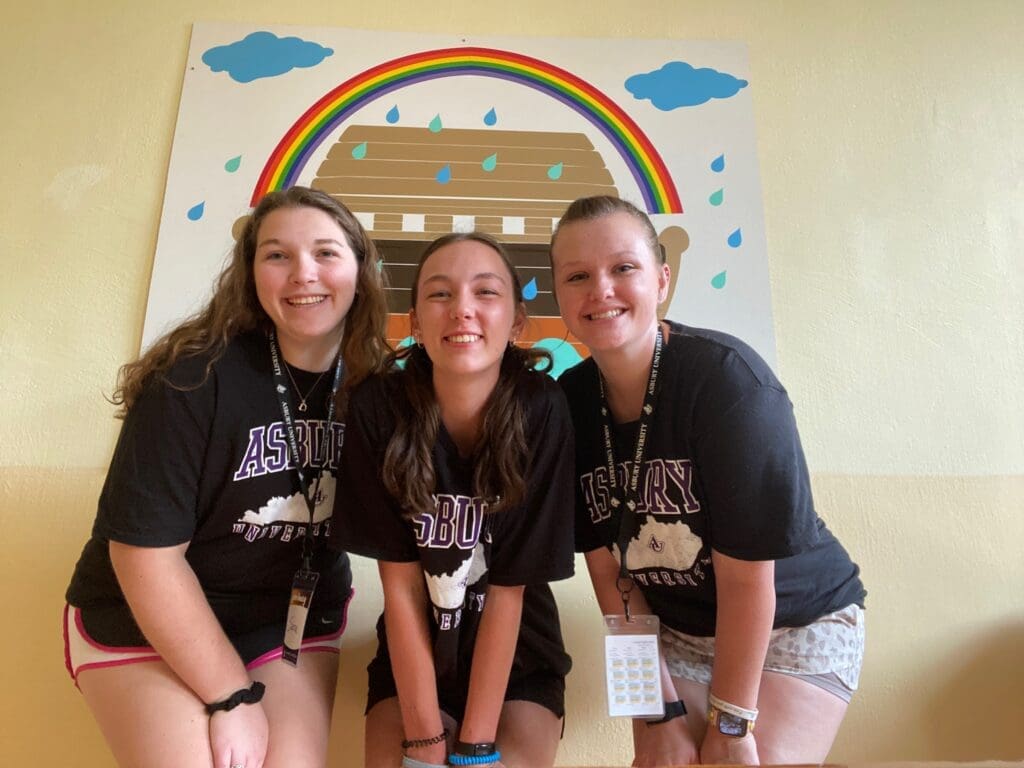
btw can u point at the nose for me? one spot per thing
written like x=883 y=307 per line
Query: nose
x=601 y=286
x=461 y=306
x=303 y=269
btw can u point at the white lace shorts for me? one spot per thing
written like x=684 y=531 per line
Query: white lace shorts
x=827 y=653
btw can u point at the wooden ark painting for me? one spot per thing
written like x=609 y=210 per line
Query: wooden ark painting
x=423 y=135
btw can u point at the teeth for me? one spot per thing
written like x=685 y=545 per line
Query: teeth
x=607 y=315
x=463 y=338
x=302 y=300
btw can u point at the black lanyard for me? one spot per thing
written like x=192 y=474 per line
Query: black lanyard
x=318 y=462
x=629 y=523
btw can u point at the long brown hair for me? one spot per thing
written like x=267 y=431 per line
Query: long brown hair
x=235 y=308
x=599 y=206
x=500 y=456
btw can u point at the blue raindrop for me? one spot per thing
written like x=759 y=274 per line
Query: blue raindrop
x=718 y=164
x=392 y=115
x=530 y=290
x=491 y=117
x=444 y=175
x=735 y=238
x=195 y=213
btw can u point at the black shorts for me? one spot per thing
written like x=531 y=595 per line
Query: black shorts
x=544 y=688
x=112 y=627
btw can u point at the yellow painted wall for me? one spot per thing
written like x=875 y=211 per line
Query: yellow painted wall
x=890 y=141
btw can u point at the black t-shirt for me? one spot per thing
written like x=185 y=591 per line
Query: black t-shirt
x=210 y=465
x=462 y=548
x=723 y=470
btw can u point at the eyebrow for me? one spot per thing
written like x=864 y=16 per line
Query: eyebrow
x=479 y=276
x=318 y=241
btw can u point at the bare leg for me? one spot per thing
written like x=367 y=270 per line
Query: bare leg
x=385 y=732
x=797 y=721
x=298 y=704
x=528 y=735
x=148 y=716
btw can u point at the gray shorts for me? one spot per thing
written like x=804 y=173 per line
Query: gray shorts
x=827 y=653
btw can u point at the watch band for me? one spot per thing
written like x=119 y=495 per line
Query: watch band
x=468 y=749
x=673 y=709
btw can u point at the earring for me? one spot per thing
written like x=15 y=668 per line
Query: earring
x=419 y=341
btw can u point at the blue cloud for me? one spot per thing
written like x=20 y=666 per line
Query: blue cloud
x=677 y=84
x=264 y=54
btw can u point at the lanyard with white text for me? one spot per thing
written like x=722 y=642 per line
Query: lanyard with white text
x=304 y=583
x=629 y=524
x=316 y=462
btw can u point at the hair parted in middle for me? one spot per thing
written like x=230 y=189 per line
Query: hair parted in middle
x=500 y=454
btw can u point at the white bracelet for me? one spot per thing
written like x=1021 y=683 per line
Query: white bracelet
x=732 y=709
x=410 y=762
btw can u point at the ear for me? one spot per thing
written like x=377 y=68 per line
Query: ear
x=664 y=281
x=519 y=324
x=414 y=325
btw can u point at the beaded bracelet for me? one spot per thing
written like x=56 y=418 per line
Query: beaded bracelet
x=494 y=757
x=411 y=743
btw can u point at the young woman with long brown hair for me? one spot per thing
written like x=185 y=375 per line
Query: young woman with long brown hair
x=458 y=476
x=220 y=491
x=761 y=608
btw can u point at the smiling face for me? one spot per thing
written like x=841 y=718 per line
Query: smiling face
x=465 y=310
x=305 y=273
x=608 y=282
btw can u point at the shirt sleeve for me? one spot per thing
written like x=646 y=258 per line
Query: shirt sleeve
x=756 y=481
x=367 y=519
x=533 y=543
x=151 y=494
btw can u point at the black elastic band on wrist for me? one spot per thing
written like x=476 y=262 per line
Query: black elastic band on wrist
x=251 y=695
x=413 y=743
x=469 y=749
x=673 y=709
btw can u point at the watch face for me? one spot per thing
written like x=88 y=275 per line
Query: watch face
x=730 y=725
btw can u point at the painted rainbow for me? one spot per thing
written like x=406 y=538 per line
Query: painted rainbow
x=289 y=158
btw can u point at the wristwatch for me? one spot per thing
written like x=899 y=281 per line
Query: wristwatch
x=673 y=709
x=729 y=724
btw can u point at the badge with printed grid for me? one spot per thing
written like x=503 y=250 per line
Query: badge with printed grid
x=633 y=666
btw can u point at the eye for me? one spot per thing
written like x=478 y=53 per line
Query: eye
x=327 y=253
x=576 y=277
x=627 y=267
x=273 y=256
x=438 y=294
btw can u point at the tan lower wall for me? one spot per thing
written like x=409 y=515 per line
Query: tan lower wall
x=945 y=657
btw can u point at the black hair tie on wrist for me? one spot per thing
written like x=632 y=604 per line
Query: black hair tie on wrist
x=413 y=743
x=251 y=695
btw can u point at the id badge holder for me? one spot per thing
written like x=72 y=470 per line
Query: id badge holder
x=298 y=608
x=633 y=666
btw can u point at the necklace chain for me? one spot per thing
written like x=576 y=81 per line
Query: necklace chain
x=302 y=398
